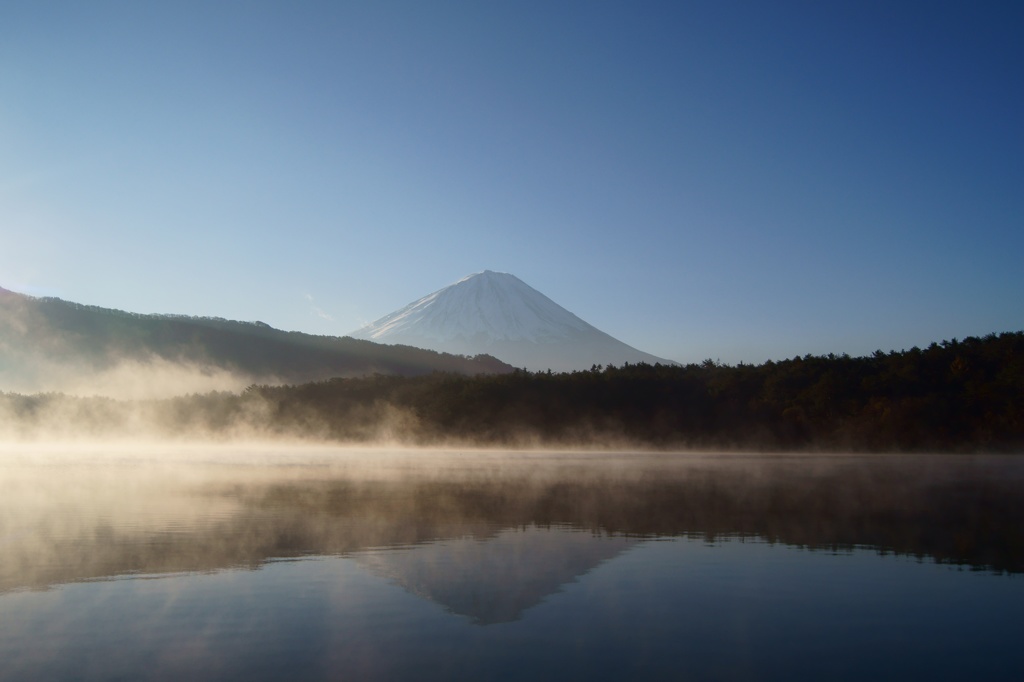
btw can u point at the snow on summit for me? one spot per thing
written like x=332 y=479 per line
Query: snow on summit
x=494 y=304
x=499 y=314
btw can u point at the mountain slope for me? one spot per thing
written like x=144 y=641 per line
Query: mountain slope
x=47 y=344
x=499 y=314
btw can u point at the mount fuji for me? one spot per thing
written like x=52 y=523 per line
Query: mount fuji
x=498 y=314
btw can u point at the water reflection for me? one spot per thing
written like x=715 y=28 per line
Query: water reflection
x=65 y=519
x=262 y=564
x=494 y=579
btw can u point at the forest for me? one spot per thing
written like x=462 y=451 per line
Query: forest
x=954 y=396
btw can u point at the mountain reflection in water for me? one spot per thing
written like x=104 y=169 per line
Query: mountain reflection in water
x=67 y=518
x=313 y=564
x=495 y=579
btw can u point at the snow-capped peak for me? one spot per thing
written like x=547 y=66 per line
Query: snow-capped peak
x=498 y=314
x=495 y=305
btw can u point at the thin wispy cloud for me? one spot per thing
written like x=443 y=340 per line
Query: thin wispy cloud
x=317 y=310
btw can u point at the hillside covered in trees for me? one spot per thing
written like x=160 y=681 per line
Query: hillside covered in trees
x=49 y=341
x=954 y=396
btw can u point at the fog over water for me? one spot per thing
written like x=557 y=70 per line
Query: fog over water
x=128 y=509
x=271 y=560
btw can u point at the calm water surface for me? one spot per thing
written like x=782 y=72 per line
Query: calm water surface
x=218 y=563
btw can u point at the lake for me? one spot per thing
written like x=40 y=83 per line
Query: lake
x=306 y=563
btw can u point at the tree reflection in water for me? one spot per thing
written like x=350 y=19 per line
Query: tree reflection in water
x=68 y=520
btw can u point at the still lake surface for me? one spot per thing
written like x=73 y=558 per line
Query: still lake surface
x=218 y=563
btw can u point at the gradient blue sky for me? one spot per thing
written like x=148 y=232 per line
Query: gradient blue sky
x=733 y=180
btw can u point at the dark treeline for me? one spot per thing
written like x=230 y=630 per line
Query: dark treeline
x=954 y=396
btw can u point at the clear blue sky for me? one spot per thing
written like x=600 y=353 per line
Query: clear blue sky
x=734 y=180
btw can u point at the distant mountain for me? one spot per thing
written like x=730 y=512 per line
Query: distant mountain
x=498 y=314
x=47 y=344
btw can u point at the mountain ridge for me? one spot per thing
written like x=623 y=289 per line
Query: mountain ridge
x=48 y=344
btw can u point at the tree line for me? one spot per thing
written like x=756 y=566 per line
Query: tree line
x=953 y=396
